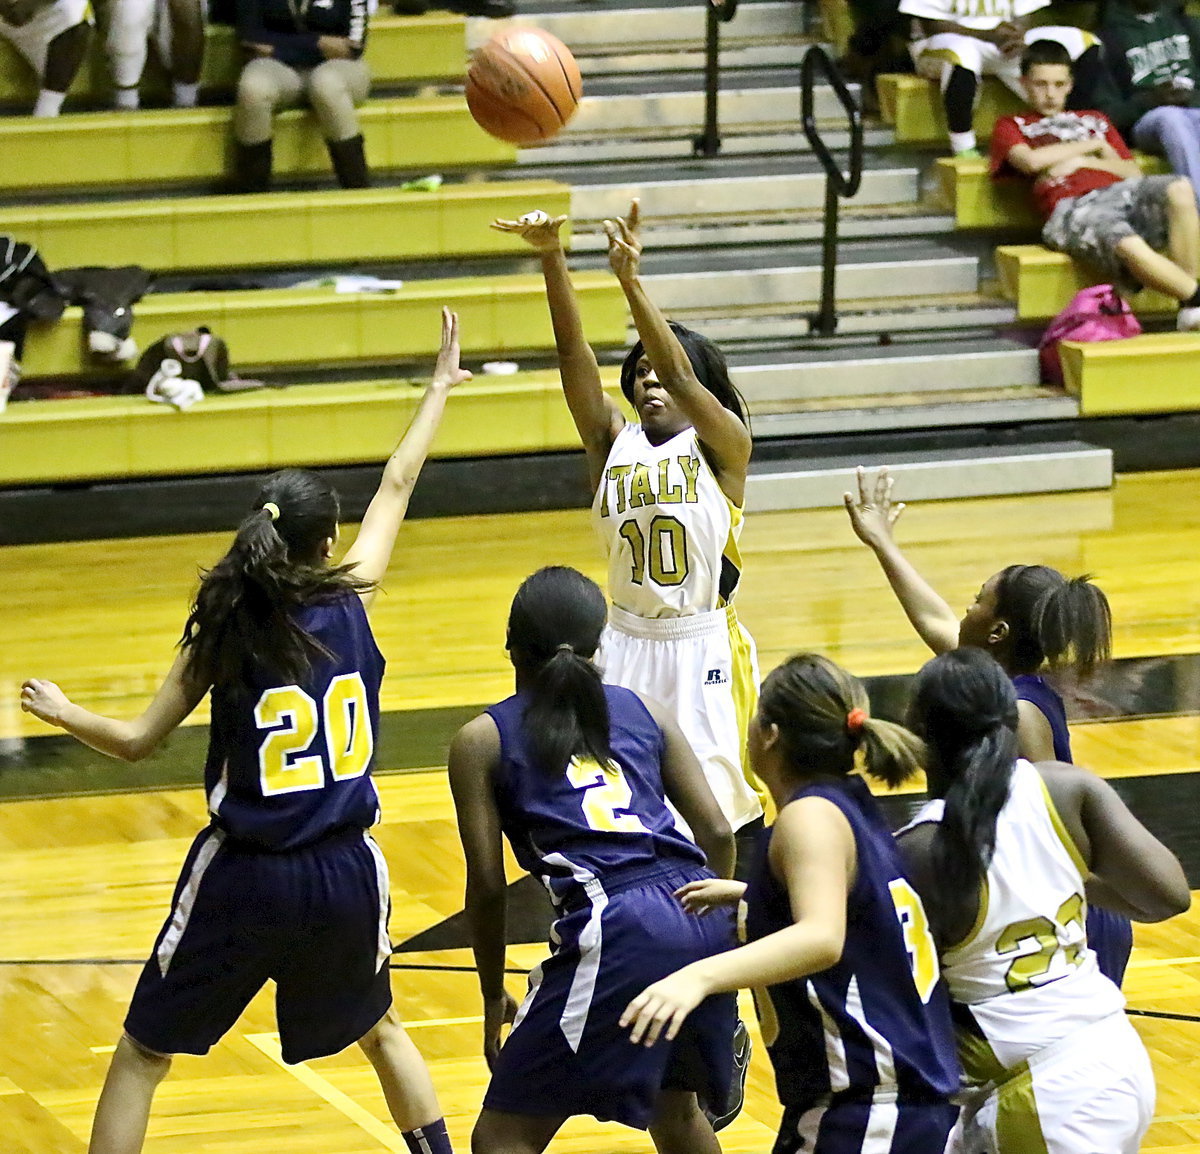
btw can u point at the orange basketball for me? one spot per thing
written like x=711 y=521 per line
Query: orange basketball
x=523 y=85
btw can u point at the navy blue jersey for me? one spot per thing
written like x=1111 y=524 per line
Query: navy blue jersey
x=879 y=1019
x=289 y=764
x=1034 y=689
x=588 y=821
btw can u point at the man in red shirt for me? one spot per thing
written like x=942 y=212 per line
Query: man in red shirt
x=1097 y=205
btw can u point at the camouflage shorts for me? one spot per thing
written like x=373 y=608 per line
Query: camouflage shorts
x=1090 y=227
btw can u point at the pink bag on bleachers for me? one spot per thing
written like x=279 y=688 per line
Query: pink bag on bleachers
x=1098 y=313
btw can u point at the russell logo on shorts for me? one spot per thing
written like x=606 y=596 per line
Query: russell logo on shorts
x=716 y=677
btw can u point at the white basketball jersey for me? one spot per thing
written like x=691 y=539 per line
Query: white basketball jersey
x=1025 y=970
x=669 y=531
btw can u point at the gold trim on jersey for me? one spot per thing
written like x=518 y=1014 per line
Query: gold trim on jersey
x=1064 y=835
x=979 y=1061
x=730 y=552
x=977 y=926
x=745 y=696
x=1018 y=1126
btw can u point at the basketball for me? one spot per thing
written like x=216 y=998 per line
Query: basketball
x=523 y=85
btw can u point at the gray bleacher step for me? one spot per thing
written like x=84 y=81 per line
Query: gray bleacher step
x=707 y=196
x=589 y=29
x=871 y=318
x=799 y=374
x=663 y=144
x=988 y=471
x=670 y=112
x=865 y=418
x=788 y=54
x=779 y=277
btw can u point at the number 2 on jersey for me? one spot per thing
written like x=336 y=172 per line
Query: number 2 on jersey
x=605 y=791
x=922 y=953
x=285 y=762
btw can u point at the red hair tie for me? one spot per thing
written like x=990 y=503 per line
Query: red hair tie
x=855 y=720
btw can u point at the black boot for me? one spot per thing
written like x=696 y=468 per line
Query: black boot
x=252 y=166
x=349 y=162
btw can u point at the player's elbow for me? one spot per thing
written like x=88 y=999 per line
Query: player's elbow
x=827 y=951
x=1172 y=899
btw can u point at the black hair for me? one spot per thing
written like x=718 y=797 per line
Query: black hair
x=965 y=708
x=821 y=712
x=554 y=627
x=243 y=617
x=1045 y=52
x=1051 y=618
x=707 y=361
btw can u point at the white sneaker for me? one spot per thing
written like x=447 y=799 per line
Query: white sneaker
x=1188 y=320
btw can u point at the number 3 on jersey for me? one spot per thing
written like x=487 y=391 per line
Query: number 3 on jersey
x=285 y=762
x=922 y=953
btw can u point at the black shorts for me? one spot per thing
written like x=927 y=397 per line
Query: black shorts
x=313 y=919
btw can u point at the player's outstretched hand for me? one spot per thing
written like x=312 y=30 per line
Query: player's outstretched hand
x=447 y=370
x=625 y=243
x=44 y=700
x=873 y=514
x=497 y=1013
x=710 y=894
x=661 y=1009
x=535 y=228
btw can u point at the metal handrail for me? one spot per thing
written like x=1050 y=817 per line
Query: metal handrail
x=838 y=183
x=708 y=143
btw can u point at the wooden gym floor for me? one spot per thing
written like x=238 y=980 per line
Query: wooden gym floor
x=89 y=849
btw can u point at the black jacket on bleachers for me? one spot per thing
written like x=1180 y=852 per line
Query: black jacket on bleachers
x=293 y=27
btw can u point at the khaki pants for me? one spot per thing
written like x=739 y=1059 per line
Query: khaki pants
x=333 y=90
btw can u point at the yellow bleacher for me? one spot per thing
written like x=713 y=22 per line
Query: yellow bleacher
x=1041 y=283
x=92 y=150
x=965 y=189
x=284 y=228
x=1153 y=373
x=400 y=50
x=912 y=105
x=282 y=328
x=305 y=425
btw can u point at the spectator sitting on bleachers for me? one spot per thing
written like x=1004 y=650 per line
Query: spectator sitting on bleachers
x=1098 y=207
x=52 y=37
x=301 y=51
x=1153 y=51
x=963 y=40
x=177 y=27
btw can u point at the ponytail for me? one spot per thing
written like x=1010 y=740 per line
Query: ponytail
x=1065 y=622
x=567 y=715
x=554 y=628
x=965 y=708
x=243 y=617
x=821 y=713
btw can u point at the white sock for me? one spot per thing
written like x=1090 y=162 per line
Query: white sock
x=125 y=98
x=1188 y=319
x=961 y=141
x=49 y=103
x=185 y=95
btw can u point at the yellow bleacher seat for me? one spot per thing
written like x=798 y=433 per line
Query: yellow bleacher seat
x=290 y=327
x=97 y=149
x=400 y=50
x=303 y=425
x=285 y=228
x=1041 y=283
x=1153 y=373
x=913 y=106
x=977 y=201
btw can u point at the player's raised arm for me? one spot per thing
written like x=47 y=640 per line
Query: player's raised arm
x=372 y=548
x=474 y=754
x=596 y=417
x=723 y=435
x=177 y=696
x=872 y=517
